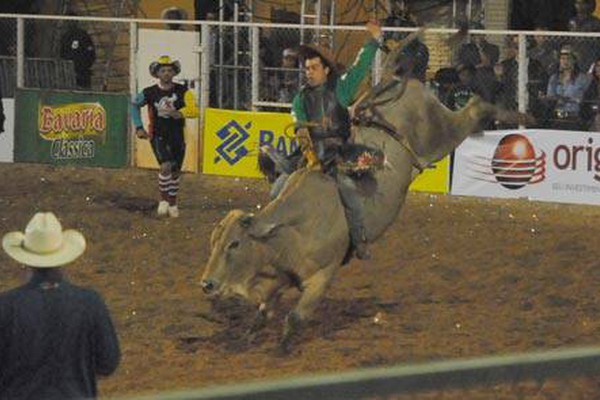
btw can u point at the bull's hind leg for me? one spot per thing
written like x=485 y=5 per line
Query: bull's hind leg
x=312 y=291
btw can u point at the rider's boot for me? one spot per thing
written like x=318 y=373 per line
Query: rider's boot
x=361 y=246
x=354 y=214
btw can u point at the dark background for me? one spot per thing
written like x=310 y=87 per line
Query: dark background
x=554 y=14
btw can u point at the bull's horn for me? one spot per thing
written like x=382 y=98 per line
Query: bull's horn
x=246 y=220
x=263 y=230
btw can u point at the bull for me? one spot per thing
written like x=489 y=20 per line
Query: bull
x=301 y=238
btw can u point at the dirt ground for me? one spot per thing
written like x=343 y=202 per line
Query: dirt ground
x=454 y=277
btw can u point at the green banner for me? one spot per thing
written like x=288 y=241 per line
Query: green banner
x=57 y=127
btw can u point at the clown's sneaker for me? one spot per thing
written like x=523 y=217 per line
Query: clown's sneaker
x=173 y=211
x=163 y=208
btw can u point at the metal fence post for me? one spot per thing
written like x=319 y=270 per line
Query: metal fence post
x=20 y=52
x=255 y=39
x=523 y=63
x=133 y=50
x=206 y=51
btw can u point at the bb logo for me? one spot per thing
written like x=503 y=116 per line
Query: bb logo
x=232 y=148
x=515 y=163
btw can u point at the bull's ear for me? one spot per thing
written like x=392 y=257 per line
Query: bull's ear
x=246 y=220
x=263 y=230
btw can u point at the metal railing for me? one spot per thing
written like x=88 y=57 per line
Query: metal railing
x=410 y=379
x=239 y=59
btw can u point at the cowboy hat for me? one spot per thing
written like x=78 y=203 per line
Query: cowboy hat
x=44 y=244
x=164 y=61
x=569 y=51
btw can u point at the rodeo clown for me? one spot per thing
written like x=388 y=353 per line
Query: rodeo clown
x=169 y=103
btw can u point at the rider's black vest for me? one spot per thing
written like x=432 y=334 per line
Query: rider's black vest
x=321 y=101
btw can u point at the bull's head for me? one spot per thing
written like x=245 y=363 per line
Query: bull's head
x=237 y=255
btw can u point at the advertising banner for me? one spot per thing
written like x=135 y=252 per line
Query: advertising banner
x=7 y=138
x=71 y=128
x=545 y=165
x=232 y=140
x=180 y=46
x=434 y=180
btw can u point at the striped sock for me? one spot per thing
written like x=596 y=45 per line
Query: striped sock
x=164 y=183
x=173 y=190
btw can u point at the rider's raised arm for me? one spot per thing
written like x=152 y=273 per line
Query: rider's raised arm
x=349 y=83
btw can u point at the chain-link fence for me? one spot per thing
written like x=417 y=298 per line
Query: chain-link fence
x=257 y=66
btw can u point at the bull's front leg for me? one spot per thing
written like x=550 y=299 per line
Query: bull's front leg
x=267 y=293
x=313 y=290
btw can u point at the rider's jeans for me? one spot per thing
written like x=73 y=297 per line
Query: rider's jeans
x=353 y=207
x=278 y=185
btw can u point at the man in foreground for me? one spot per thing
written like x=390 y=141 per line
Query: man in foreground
x=55 y=337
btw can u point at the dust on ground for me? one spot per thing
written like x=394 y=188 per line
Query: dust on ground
x=453 y=277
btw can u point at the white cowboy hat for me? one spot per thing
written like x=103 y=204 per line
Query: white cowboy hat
x=44 y=244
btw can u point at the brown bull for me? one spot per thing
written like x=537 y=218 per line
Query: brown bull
x=301 y=238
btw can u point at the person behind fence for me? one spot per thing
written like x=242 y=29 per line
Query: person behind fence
x=290 y=79
x=545 y=50
x=466 y=88
x=55 y=336
x=489 y=86
x=507 y=71
x=174 y=14
x=565 y=91
x=444 y=83
x=590 y=107
x=168 y=104
x=320 y=111
x=77 y=45
x=588 y=48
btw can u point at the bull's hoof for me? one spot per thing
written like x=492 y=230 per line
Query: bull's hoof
x=260 y=321
x=293 y=324
x=284 y=349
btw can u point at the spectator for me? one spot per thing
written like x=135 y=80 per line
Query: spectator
x=54 y=336
x=471 y=52
x=587 y=49
x=466 y=87
x=176 y=14
x=290 y=78
x=591 y=101
x=444 y=82
x=584 y=20
x=77 y=45
x=468 y=53
x=507 y=72
x=565 y=91
x=545 y=51
x=488 y=85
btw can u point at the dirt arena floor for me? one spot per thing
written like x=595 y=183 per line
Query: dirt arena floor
x=454 y=277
